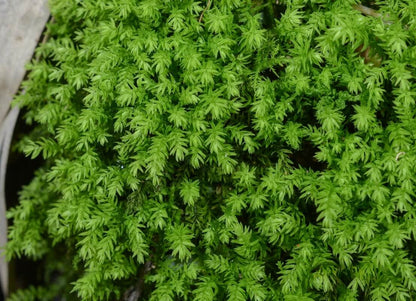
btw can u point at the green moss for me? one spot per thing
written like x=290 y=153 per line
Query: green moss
x=223 y=150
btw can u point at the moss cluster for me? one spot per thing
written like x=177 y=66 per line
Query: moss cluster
x=223 y=150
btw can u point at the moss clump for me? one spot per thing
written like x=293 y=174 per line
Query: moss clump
x=223 y=150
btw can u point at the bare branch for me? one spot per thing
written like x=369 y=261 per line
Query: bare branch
x=135 y=292
x=373 y=13
x=367 y=11
x=205 y=9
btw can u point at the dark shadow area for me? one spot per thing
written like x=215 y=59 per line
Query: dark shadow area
x=1 y=294
x=305 y=157
x=20 y=171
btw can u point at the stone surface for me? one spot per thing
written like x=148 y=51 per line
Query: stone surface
x=21 y=25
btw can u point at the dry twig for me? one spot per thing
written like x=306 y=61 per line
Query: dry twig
x=205 y=9
x=134 y=292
